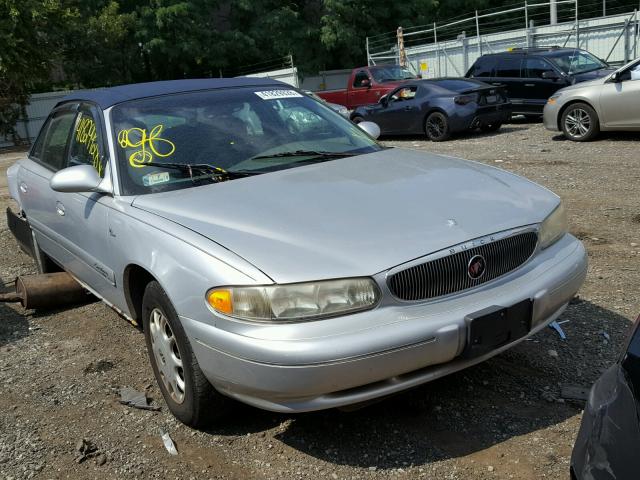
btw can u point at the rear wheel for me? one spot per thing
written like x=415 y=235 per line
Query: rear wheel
x=187 y=392
x=580 y=122
x=491 y=127
x=436 y=126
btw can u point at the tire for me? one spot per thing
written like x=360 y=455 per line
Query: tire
x=195 y=403
x=357 y=119
x=436 y=126
x=580 y=122
x=492 y=127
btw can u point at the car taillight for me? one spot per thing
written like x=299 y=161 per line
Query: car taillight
x=465 y=99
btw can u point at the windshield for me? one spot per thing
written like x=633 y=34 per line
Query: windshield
x=577 y=61
x=190 y=139
x=391 y=73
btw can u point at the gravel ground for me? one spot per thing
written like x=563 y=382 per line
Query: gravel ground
x=60 y=371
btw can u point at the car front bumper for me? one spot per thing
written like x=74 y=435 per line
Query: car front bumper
x=357 y=358
x=550 y=116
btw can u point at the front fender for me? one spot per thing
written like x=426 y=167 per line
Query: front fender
x=184 y=263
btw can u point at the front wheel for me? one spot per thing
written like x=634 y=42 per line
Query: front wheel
x=187 y=392
x=580 y=122
x=436 y=126
x=357 y=119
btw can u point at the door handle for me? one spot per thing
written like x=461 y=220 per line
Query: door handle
x=408 y=108
x=529 y=85
x=60 y=209
x=23 y=187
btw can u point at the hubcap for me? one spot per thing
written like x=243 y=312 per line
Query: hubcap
x=435 y=126
x=167 y=355
x=578 y=122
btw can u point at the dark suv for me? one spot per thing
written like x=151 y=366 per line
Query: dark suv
x=531 y=76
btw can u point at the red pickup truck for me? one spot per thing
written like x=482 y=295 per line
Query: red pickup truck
x=367 y=84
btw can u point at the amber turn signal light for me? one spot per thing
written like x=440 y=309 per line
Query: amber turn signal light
x=220 y=300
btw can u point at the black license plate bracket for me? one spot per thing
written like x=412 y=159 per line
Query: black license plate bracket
x=497 y=326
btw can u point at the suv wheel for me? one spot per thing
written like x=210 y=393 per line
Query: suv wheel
x=187 y=392
x=580 y=122
x=436 y=126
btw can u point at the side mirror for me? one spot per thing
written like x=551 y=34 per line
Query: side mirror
x=79 y=178
x=623 y=76
x=365 y=83
x=550 y=75
x=384 y=100
x=372 y=129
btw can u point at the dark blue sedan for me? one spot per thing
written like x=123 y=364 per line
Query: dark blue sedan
x=438 y=108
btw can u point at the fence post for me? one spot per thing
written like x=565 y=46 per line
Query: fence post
x=478 y=35
x=626 y=40
x=465 y=50
x=577 y=27
x=435 y=41
x=368 y=55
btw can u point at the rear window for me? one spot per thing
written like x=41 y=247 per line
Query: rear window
x=508 y=66
x=483 y=67
x=456 y=85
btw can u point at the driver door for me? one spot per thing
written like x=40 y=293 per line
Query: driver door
x=84 y=216
x=398 y=116
x=619 y=100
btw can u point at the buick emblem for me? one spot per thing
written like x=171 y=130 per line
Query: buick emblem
x=476 y=267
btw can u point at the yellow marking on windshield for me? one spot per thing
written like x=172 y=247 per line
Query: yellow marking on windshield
x=86 y=135
x=148 y=143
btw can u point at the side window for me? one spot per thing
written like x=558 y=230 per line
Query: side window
x=635 y=72
x=534 y=67
x=508 y=66
x=56 y=138
x=87 y=147
x=483 y=67
x=36 y=150
x=361 y=76
x=404 y=93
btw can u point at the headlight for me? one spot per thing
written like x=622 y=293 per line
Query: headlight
x=296 y=301
x=553 y=227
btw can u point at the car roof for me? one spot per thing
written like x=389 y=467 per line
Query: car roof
x=533 y=51
x=107 y=97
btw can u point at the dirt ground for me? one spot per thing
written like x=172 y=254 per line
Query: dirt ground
x=503 y=419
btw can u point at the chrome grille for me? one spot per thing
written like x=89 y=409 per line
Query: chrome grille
x=449 y=274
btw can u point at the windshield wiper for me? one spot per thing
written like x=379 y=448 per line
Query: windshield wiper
x=306 y=153
x=221 y=173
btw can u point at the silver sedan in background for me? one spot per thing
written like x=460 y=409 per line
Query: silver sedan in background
x=611 y=103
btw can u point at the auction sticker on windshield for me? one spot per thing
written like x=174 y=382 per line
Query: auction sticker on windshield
x=155 y=178
x=276 y=94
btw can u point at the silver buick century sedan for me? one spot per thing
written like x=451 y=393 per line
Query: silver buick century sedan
x=275 y=253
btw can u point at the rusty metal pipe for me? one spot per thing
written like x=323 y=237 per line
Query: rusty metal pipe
x=47 y=290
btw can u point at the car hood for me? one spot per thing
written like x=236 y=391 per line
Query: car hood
x=356 y=215
x=584 y=85
x=594 y=75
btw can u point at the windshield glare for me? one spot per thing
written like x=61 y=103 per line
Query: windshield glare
x=576 y=62
x=226 y=129
x=391 y=73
